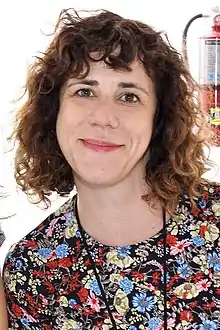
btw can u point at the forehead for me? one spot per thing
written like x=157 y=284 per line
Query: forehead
x=104 y=73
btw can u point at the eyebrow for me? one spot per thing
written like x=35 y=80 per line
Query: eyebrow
x=91 y=82
x=88 y=82
x=132 y=85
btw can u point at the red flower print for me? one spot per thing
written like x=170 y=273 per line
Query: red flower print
x=171 y=240
x=203 y=230
x=137 y=275
x=16 y=310
x=186 y=316
x=83 y=294
x=65 y=262
x=49 y=286
x=47 y=326
x=209 y=305
x=30 y=244
x=173 y=301
x=38 y=274
x=156 y=278
x=198 y=277
x=193 y=304
x=52 y=264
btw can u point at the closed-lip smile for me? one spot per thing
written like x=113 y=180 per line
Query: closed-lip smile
x=100 y=145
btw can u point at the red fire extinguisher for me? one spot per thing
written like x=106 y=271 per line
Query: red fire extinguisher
x=209 y=73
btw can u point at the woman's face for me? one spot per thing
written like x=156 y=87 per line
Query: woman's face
x=105 y=123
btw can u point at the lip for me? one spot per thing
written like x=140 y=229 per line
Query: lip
x=100 y=145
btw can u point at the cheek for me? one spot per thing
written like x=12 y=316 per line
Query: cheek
x=64 y=128
x=142 y=136
x=68 y=120
x=140 y=129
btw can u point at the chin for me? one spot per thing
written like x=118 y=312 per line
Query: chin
x=97 y=180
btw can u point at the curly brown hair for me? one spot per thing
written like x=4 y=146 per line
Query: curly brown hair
x=176 y=154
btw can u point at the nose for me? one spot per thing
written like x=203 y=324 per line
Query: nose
x=104 y=115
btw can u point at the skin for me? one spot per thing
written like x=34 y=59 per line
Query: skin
x=115 y=107
x=3 y=310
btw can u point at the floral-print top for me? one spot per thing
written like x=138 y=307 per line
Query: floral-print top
x=50 y=283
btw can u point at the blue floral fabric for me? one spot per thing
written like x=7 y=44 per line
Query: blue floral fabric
x=50 y=283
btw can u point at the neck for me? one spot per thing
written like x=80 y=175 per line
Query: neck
x=118 y=215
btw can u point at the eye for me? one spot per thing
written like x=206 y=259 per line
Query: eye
x=85 y=92
x=130 y=98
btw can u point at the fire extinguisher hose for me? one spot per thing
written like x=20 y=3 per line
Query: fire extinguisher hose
x=184 y=38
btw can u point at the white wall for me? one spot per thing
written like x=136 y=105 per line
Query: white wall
x=21 y=26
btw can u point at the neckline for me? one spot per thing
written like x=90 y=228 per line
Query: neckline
x=96 y=242
x=100 y=284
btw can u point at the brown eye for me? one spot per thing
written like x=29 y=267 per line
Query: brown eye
x=85 y=92
x=130 y=98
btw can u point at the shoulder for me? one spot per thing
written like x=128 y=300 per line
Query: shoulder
x=30 y=270
x=211 y=192
x=36 y=247
x=199 y=221
x=206 y=205
x=200 y=218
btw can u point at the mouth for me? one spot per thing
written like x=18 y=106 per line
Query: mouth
x=99 y=145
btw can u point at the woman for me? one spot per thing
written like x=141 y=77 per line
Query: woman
x=111 y=111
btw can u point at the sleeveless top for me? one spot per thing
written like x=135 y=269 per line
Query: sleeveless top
x=50 y=283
